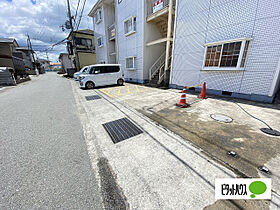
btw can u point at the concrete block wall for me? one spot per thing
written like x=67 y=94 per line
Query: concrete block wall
x=203 y=21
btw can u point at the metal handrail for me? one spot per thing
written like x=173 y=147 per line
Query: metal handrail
x=162 y=72
x=156 y=66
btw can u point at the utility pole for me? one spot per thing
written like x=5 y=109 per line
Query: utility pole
x=30 y=45
x=70 y=16
x=72 y=39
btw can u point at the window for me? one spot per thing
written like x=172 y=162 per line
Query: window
x=227 y=55
x=83 y=42
x=113 y=69
x=130 y=62
x=97 y=16
x=130 y=26
x=104 y=69
x=100 y=41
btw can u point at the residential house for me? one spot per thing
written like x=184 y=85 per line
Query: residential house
x=45 y=64
x=81 y=48
x=29 y=61
x=9 y=57
x=135 y=32
x=233 y=46
x=65 y=61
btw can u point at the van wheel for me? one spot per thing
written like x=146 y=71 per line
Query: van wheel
x=120 y=82
x=90 y=85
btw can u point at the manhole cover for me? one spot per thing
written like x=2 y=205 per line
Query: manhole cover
x=121 y=129
x=221 y=118
x=94 y=97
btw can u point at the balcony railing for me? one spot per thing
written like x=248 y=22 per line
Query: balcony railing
x=112 y=32
x=153 y=6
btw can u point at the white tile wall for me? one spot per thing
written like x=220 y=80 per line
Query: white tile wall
x=99 y=30
x=203 y=21
x=131 y=45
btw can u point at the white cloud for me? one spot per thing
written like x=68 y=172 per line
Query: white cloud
x=41 y=21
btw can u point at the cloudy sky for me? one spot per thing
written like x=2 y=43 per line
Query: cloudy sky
x=41 y=19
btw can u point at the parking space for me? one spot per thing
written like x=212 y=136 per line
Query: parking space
x=127 y=89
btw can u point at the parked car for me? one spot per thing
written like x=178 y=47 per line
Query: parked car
x=102 y=75
x=77 y=74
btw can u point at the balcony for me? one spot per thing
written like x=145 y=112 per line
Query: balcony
x=158 y=10
x=112 y=32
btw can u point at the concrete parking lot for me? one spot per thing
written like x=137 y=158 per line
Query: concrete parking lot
x=242 y=135
x=147 y=166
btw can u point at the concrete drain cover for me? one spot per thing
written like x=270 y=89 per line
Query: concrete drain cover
x=121 y=129
x=94 y=97
x=221 y=118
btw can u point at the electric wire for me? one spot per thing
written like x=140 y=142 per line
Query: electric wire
x=252 y=115
x=75 y=18
x=81 y=15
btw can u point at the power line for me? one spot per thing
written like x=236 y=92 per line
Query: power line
x=81 y=14
x=75 y=18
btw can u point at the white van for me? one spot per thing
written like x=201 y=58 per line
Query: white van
x=101 y=75
x=83 y=70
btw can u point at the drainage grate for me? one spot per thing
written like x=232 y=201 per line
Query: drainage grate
x=121 y=129
x=94 y=97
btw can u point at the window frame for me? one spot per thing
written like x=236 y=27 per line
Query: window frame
x=240 y=57
x=133 y=59
x=134 y=24
x=101 y=41
x=98 y=16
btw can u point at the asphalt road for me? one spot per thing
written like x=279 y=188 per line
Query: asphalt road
x=44 y=162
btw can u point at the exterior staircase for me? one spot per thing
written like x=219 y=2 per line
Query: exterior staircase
x=157 y=71
x=163 y=19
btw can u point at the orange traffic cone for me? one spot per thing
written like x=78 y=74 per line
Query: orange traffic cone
x=182 y=102
x=203 y=92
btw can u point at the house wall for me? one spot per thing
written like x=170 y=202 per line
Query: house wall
x=66 y=62
x=86 y=59
x=200 y=22
x=99 y=30
x=132 y=45
x=6 y=55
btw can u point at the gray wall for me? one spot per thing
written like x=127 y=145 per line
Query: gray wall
x=205 y=21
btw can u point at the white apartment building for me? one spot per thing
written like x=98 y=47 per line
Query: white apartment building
x=233 y=46
x=125 y=35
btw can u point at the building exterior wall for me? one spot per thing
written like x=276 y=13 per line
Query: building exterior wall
x=99 y=31
x=132 y=45
x=86 y=59
x=201 y=22
x=66 y=62
x=83 y=55
x=6 y=55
